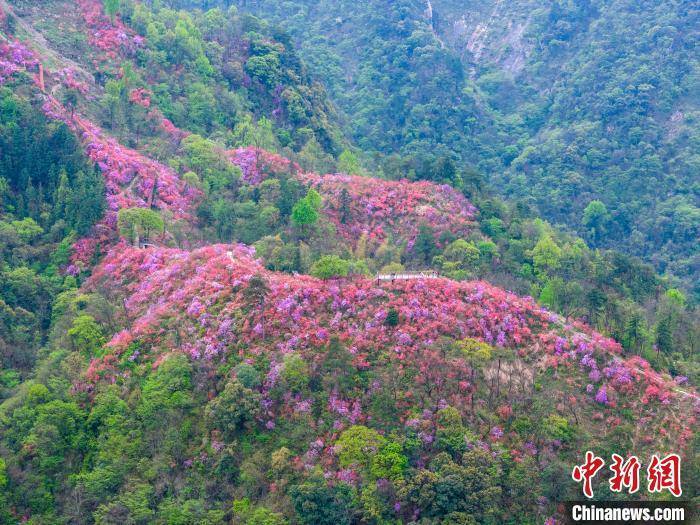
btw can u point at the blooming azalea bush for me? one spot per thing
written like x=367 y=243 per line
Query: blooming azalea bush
x=257 y=164
x=14 y=57
x=302 y=310
x=370 y=208
x=197 y=298
x=380 y=209
x=68 y=76
x=171 y=130
x=108 y=35
x=372 y=384
x=140 y=96
x=131 y=180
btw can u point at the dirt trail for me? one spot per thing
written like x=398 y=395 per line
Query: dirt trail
x=49 y=56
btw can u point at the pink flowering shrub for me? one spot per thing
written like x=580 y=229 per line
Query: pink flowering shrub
x=68 y=77
x=379 y=208
x=14 y=57
x=172 y=131
x=257 y=164
x=302 y=310
x=364 y=206
x=198 y=295
x=131 y=180
x=141 y=97
x=109 y=36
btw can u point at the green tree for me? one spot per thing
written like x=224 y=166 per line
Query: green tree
x=249 y=514
x=86 y=335
x=357 y=446
x=676 y=297
x=191 y=179
x=344 y=204
x=424 y=246
x=459 y=258
x=634 y=332
x=596 y=218
x=314 y=198
x=557 y=427
x=348 y=163
x=546 y=255
x=389 y=463
x=451 y=435
x=111 y=8
x=392 y=317
x=27 y=229
x=132 y=505
x=216 y=172
x=137 y=223
x=329 y=267
x=234 y=409
x=70 y=98
x=664 y=335
x=317 y=503
x=306 y=211
x=86 y=203
x=548 y=294
x=295 y=373
x=337 y=370
x=166 y=395
x=62 y=197
x=470 y=489
x=264 y=68
x=248 y=375
x=445 y=172
x=5 y=517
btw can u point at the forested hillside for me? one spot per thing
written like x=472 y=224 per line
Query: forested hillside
x=588 y=111
x=50 y=195
x=191 y=329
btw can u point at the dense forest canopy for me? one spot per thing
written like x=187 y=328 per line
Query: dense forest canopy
x=50 y=193
x=196 y=197
x=564 y=105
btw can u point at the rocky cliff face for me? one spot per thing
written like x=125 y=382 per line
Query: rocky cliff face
x=487 y=33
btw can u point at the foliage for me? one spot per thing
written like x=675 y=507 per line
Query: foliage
x=218 y=70
x=357 y=447
x=382 y=209
x=306 y=211
x=585 y=103
x=318 y=503
x=233 y=409
x=86 y=335
x=138 y=223
x=193 y=382
x=330 y=266
x=49 y=192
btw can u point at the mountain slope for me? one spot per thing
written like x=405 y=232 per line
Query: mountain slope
x=558 y=104
x=186 y=382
